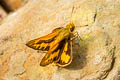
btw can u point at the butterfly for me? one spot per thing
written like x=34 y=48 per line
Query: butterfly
x=57 y=44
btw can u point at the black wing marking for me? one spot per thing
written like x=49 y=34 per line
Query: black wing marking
x=66 y=55
x=53 y=54
x=44 y=43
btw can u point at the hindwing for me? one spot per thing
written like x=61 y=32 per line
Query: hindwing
x=53 y=54
x=66 y=55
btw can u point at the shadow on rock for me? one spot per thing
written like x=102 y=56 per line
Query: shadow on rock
x=79 y=55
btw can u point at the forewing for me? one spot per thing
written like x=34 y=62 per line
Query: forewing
x=66 y=55
x=43 y=43
x=53 y=54
x=57 y=29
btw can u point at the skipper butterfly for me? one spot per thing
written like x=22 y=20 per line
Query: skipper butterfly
x=58 y=45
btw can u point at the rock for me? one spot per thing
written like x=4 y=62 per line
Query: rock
x=96 y=58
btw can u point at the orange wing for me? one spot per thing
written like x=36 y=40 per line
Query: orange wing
x=44 y=43
x=57 y=29
x=53 y=54
x=66 y=55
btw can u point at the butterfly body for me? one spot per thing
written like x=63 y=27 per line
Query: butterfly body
x=64 y=34
x=57 y=44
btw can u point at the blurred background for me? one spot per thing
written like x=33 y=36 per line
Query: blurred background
x=8 y=6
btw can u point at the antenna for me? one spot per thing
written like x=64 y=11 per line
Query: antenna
x=71 y=14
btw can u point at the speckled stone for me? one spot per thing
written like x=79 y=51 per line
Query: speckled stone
x=96 y=58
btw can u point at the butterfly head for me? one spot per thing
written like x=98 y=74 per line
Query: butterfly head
x=71 y=26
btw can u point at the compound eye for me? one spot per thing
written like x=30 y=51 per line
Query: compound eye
x=72 y=29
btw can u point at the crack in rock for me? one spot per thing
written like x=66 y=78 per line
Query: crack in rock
x=112 y=51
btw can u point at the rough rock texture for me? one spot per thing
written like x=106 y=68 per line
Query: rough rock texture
x=97 y=57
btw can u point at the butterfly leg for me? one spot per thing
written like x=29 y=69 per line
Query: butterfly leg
x=76 y=35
